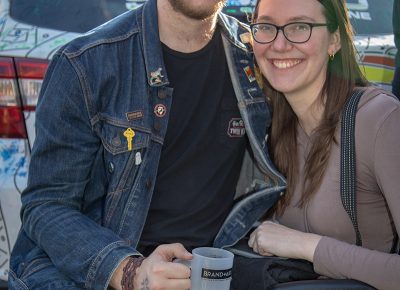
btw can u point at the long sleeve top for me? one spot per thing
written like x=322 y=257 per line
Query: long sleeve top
x=377 y=198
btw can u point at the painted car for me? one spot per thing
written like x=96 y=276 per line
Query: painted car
x=31 y=32
x=372 y=21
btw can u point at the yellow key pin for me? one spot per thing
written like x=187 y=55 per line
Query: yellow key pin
x=129 y=134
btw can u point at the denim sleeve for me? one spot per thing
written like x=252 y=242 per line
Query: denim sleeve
x=60 y=167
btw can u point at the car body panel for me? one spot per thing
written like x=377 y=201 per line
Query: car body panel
x=23 y=40
x=13 y=178
x=377 y=58
x=376 y=51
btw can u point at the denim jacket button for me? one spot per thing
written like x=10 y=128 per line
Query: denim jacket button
x=157 y=127
x=111 y=167
x=161 y=94
x=116 y=141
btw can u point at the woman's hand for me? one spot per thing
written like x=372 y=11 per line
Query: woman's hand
x=274 y=239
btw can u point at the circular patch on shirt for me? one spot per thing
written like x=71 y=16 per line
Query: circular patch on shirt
x=160 y=110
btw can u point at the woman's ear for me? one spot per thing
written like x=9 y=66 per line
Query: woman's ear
x=335 y=44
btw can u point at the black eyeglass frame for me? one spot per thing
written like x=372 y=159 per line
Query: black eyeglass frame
x=282 y=28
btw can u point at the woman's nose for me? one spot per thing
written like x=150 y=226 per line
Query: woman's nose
x=280 y=42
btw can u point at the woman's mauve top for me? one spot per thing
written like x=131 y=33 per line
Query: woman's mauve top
x=378 y=199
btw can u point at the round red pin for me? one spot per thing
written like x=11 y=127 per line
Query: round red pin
x=160 y=110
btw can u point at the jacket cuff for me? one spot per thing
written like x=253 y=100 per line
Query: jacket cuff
x=106 y=262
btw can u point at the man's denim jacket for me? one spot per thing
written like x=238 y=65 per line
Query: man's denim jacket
x=88 y=195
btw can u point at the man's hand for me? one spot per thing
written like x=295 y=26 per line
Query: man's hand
x=274 y=239
x=159 y=272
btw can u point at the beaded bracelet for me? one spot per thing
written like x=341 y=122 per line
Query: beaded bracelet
x=129 y=272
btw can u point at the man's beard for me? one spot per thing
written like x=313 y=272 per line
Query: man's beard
x=190 y=11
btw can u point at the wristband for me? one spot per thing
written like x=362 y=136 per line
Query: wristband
x=129 y=272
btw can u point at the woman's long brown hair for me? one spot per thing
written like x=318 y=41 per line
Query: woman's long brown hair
x=342 y=75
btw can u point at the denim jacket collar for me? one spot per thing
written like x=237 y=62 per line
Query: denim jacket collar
x=148 y=22
x=153 y=57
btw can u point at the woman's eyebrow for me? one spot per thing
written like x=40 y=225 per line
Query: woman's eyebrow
x=266 y=18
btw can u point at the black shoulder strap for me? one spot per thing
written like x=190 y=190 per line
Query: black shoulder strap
x=348 y=160
x=348 y=164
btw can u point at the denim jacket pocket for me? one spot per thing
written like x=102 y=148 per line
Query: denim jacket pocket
x=125 y=152
x=40 y=273
x=34 y=266
x=116 y=136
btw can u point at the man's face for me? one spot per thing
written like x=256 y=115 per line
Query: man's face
x=197 y=9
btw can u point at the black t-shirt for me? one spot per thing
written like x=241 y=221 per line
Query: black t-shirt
x=202 y=153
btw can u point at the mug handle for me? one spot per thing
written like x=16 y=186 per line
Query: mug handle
x=187 y=263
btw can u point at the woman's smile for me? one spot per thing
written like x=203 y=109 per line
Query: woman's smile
x=285 y=63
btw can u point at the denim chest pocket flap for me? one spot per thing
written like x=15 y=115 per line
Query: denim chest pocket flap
x=120 y=136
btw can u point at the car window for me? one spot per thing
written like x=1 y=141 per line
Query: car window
x=68 y=15
x=371 y=16
x=367 y=16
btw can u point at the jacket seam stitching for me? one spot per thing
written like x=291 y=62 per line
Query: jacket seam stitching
x=18 y=280
x=36 y=268
x=84 y=89
x=90 y=278
x=100 y=42
x=131 y=197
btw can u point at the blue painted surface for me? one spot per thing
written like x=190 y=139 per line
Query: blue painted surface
x=13 y=178
x=12 y=158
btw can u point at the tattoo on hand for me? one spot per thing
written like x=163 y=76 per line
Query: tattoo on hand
x=145 y=284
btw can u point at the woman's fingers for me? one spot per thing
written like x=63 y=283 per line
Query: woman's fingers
x=257 y=237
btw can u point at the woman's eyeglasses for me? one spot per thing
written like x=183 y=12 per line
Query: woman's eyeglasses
x=295 y=32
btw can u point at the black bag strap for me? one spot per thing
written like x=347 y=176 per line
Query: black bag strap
x=348 y=160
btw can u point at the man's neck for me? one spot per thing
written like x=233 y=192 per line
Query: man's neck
x=182 y=33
